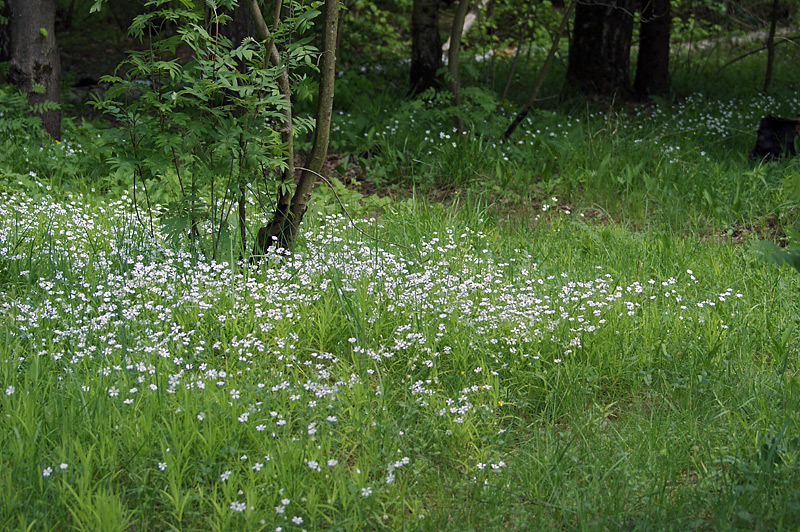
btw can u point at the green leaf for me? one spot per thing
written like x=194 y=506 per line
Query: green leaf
x=43 y=32
x=772 y=254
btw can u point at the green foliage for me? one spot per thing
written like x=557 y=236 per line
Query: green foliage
x=500 y=26
x=789 y=252
x=691 y=30
x=771 y=253
x=17 y=121
x=681 y=162
x=498 y=370
x=374 y=33
x=707 y=9
x=199 y=135
x=29 y=158
x=698 y=20
x=572 y=337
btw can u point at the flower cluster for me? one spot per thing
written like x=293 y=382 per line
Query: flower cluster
x=134 y=323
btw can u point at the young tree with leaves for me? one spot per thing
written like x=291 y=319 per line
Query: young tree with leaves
x=291 y=207
x=452 y=56
x=203 y=133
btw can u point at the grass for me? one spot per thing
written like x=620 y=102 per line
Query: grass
x=555 y=384
x=678 y=163
x=525 y=365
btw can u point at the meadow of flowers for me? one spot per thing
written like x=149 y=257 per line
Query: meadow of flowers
x=570 y=342
x=469 y=381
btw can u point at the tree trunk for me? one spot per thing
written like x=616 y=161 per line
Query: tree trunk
x=426 y=46
x=282 y=231
x=469 y=20
x=269 y=235
x=771 y=45
x=240 y=26
x=35 y=64
x=652 y=64
x=69 y=15
x=599 y=51
x=452 y=57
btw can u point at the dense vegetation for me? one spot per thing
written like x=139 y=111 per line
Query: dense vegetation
x=569 y=330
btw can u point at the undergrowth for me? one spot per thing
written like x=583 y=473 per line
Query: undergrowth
x=520 y=356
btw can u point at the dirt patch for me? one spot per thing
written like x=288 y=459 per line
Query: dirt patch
x=535 y=211
x=772 y=228
x=342 y=166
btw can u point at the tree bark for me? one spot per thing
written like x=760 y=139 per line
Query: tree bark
x=426 y=47
x=599 y=51
x=5 y=37
x=652 y=64
x=282 y=231
x=35 y=63
x=240 y=26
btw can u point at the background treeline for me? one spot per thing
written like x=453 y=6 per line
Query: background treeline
x=618 y=47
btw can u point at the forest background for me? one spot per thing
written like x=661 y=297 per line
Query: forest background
x=398 y=265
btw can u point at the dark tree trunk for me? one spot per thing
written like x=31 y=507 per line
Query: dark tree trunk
x=426 y=46
x=652 y=64
x=69 y=15
x=599 y=51
x=239 y=28
x=35 y=62
x=271 y=235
